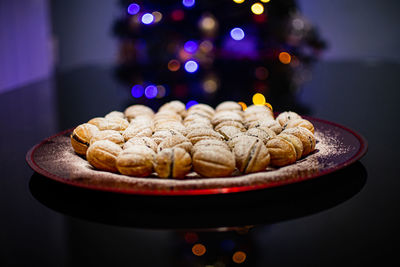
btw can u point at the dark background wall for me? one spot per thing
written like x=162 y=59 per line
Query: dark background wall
x=75 y=33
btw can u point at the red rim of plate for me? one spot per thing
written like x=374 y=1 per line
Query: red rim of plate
x=187 y=192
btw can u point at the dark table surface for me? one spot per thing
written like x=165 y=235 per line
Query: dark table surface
x=349 y=218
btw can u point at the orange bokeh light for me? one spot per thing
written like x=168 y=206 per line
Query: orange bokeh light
x=244 y=106
x=239 y=257
x=199 y=249
x=174 y=65
x=285 y=57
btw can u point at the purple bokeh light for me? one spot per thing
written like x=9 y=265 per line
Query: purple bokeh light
x=190 y=46
x=191 y=66
x=188 y=3
x=133 y=9
x=151 y=91
x=147 y=18
x=237 y=34
x=191 y=103
x=137 y=91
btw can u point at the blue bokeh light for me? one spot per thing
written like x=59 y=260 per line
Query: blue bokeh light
x=151 y=91
x=133 y=9
x=191 y=66
x=147 y=18
x=190 y=46
x=191 y=103
x=188 y=3
x=237 y=34
x=137 y=91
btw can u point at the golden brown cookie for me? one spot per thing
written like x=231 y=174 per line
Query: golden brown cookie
x=111 y=135
x=305 y=136
x=177 y=140
x=202 y=108
x=203 y=134
x=136 y=161
x=138 y=110
x=175 y=126
x=144 y=141
x=232 y=141
x=172 y=163
x=269 y=123
x=300 y=123
x=262 y=133
x=103 y=155
x=136 y=131
x=213 y=162
x=282 y=152
x=204 y=144
x=296 y=142
x=236 y=124
x=228 y=132
x=226 y=116
x=284 y=117
x=228 y=106
x=176 y=106
x=251 y=155
x=114 y=123
x=195 y=118
x=80 y=137
x=256 y=109
x=113 y=114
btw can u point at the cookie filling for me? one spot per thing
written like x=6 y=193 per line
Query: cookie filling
x=251 y=155
x=77 y=139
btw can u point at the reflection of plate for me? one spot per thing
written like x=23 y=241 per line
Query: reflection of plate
x=337 y=147
x=255 y=207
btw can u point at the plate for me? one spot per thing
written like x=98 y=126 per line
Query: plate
x=337 y=147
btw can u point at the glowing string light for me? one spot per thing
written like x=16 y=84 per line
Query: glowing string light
x=190 y=46
x=157 y=16
x=237 y=34
x=191 y=66
x=238 y=1
x=137 y=91
x=259 y=99
x=161 y=91
x=147 y=18
x=151 y=91
x=244 y=106
x=133 y=9
x=285 y=57
x=239 y=257
x=174 y=65
x=188 y=3
x=191 y=103
x=257 y=8
x=265 y=1
x=199 y=249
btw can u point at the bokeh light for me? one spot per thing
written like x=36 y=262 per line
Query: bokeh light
x=265 y=1
x=157 y=16
x=244 y=106
x=177 y=15
x=210 y=85
x=206 y=46
x=147 y=18
x=191 y=103
x=269 y=106
x=151 y=91
x=285 y=57
x=161 y=91
x=237 y=34
x=174 y=65
x=238 y=1
x=191 y=66
x=133 y=9
x=261 y=73
x=207 y=23
x=199 y=249
x=190 y=46
x=239 y=257
x=188 y=3
x=259 y=99
x=137 y=91
x=257 y=8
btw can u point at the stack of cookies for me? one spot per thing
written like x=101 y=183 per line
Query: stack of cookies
x=175 y=140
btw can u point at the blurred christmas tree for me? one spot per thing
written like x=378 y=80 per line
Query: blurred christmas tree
x=214 y=49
